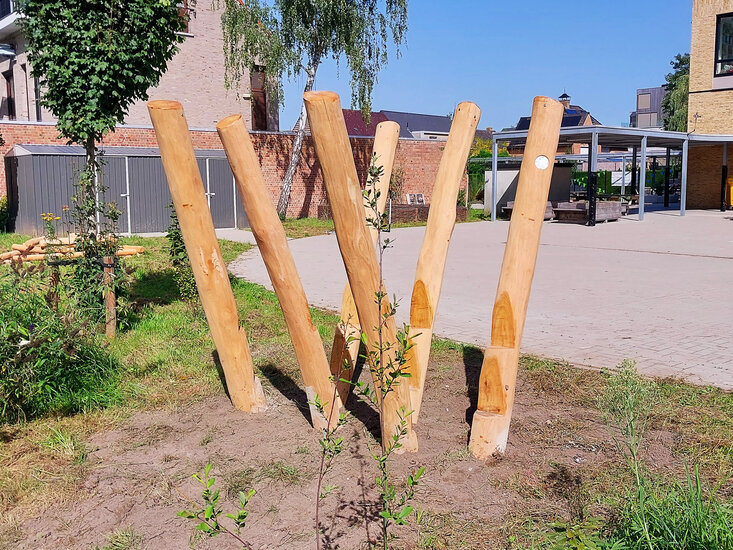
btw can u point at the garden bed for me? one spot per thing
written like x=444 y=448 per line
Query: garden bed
x=122 y=474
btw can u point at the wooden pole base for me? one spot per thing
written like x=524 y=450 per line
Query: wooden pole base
x=258 y=403
x=270 y=236
x=489 y=434
x=333 y=148
x=202 y=247
x=490 y=428
x=434 y=250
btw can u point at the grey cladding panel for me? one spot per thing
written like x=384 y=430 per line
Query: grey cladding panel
x=221 y=185
x=149 y=195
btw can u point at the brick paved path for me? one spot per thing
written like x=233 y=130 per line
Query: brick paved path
x=659 y=291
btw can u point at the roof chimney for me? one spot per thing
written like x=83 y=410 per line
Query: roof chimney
x=565 y=100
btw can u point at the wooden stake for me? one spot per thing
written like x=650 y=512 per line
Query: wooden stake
x=272 y=242
x=434 y=251
x=110 y=299
x=490 y=428
x=347 y=206
x=207 y=264
x=345 y=349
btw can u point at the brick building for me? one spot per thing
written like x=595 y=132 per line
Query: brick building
x=195 y=77
x=710 y=109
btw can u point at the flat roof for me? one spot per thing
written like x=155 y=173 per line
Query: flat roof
x=616 y=136
x=77 y=150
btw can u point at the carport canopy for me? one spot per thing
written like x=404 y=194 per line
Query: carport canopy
x=617 y=138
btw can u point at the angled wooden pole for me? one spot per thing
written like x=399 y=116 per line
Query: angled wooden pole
x=434 y=251
x=207 y=264
x=345 y=349
x=272 y=242
x=357 y=250
x=490 y=428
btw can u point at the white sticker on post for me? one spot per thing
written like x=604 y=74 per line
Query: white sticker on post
x=542 y=162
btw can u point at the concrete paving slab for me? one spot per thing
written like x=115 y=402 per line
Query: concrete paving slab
x=658 y=291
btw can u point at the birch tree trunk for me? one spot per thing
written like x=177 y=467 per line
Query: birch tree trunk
x=284 y=200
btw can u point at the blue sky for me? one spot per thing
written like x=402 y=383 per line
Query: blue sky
x=500 y=54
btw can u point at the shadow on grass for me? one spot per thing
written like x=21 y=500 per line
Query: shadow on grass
x=157 y=287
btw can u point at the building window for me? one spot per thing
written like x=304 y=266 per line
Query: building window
x=644 y=101
x=724 y=45
x=258 y=99
x=185 y=13
x=9 y=94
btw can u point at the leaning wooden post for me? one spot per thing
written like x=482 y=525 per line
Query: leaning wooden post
x=272 y=242
x=357 y=250
x=434 y=251
x=345 y=349
x=110 y=299
x=207 y=264
x=490 y=428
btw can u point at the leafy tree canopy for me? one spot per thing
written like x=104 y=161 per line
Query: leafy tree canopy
x=289 y=36
x=674 y=104
x=94 y=58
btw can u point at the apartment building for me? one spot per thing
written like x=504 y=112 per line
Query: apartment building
x=710 y=108
x=195 y=77
x=648 y=113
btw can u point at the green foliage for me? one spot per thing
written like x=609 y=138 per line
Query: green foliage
x=4 y=213
x=94 y=58
x=209 y=515
x=288 y=35
x=680 y=515
x=674 y=104
x=388 y=364
x=50 y=361
x=585 y=535
x=183 y=274
x=658 y=516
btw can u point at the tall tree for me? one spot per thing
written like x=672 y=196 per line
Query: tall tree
x=293 y=37
x=93 y=59
x=674 y=104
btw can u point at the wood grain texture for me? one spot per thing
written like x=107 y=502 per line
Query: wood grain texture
x=334 y=152
x=497 y=382
x=273 y=245
x=345 y=349
x=434 y=250
x=207 y=264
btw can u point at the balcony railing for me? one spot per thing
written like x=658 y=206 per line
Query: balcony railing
x=6 y=8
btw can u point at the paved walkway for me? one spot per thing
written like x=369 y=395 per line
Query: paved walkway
x=659 y=291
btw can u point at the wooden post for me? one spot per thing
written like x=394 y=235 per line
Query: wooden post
x=345 y=349
x=272 y=242
x=357 y=250
x=490 y=428
x=110 y=299
x=434 y=251
x=207 y=264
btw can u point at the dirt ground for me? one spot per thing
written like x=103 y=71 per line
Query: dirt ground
x=139 y=474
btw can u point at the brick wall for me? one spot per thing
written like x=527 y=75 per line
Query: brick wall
x=713 y=107
x=418 y=159
x=703 y=177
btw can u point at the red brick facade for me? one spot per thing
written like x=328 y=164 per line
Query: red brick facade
x=418 y=159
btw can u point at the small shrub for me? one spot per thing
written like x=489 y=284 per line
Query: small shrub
x=396 y=184
x=49 y=361
x=183 y=275
x=4 y=213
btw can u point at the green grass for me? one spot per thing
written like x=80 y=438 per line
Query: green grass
x=9 y=239
x=306 y=227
